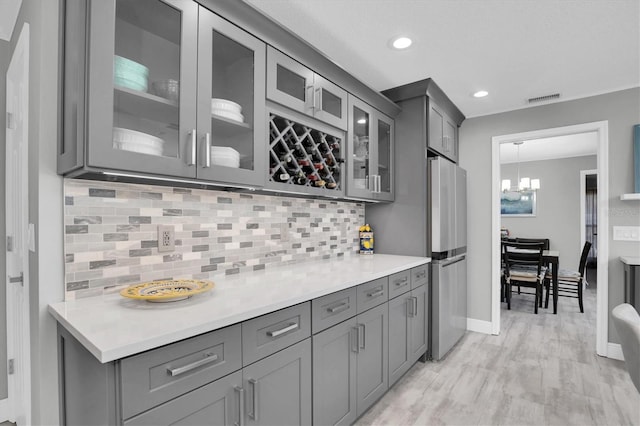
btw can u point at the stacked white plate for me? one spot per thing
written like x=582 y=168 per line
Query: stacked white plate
x=131 y=140
x=225 y=156
x=227 y=109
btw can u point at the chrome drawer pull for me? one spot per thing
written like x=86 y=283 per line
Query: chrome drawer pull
x=209 y=357
x=421 y=274
x=240 y=392
x=376 y=293
x=338 y=308
x=254 y=385
x=410 y=307
x=282 y=330
x=402 y=282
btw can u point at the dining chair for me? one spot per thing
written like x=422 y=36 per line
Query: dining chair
x=627 y=323
x=545 y=241
x=571 y=283
x=523 y=266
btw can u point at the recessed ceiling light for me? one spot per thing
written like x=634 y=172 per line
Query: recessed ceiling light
x=401 y=43
x=480 y=94
x=362 y=121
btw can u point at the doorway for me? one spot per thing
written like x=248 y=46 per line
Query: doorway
x=601 y=129
x=18 y=406
x=589 y=222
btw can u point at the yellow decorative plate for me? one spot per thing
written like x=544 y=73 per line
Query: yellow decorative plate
x=166 y=291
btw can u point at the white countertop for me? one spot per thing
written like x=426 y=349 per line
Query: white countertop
x=113 y=327
x=630 y=260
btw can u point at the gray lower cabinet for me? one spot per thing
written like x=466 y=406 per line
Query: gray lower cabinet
x=273 y=391
x=350 y=367
x=217 y=403
x=408 y=314
x=278 y=388
x=334 y=375
x=264 y=371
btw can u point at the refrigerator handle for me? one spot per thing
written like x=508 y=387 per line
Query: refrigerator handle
x=453 y=260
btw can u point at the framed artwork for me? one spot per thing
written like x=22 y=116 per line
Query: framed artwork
x=518 y=203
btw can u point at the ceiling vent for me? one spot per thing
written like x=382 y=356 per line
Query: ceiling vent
x=543 y=98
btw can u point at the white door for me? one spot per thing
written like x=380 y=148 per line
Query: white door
x=18 y=404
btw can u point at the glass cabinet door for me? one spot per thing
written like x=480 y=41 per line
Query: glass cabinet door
x=329 y=102
x=293 y=85
x=231 y=107
x=142 y=86
x=384 y=157
x=289 y=82
x=359 y=155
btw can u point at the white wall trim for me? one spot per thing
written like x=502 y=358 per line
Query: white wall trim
x=485 y=327
x=614 y=350
x=602 y=303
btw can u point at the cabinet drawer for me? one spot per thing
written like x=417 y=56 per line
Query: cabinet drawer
x=270 y=333
x=156 y=376
x=419 y=276
x=333 y=308
x=372 y=293
x=399 y=283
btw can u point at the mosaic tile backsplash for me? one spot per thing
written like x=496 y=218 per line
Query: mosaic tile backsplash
x=111 y=233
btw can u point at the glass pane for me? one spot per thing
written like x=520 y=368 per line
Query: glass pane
x=384 y=155
x=291 y=83
x=331 y=103
x=360 y=148
x=146 y=112
x=232 y=113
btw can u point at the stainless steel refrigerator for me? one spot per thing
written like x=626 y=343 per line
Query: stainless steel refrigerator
x=448 y=223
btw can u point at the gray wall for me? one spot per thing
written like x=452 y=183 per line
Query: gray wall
x=45 y=203
x=621 y=109
x=558 y=204
x=4 y=64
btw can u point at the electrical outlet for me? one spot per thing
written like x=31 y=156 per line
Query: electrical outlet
x=626 y=233
x=166 y=238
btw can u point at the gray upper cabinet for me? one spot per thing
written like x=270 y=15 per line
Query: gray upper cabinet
x=293 y=85
x=132 y=124
x=231 y=106
x=172 y=90
x=369 y=153
x=443 y=132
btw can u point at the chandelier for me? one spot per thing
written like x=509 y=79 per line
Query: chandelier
x=523 y=184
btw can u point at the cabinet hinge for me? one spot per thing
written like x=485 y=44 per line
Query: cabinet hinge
x=9 y=243
x=11 y=367
x=10 y=121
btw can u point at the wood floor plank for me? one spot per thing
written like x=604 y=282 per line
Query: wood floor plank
x=541 y=370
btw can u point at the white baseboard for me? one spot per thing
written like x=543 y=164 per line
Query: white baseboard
x=479 y=326
x=614 y=350
x=5 y=416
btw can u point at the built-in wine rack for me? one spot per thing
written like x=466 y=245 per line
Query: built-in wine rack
x=303 y=156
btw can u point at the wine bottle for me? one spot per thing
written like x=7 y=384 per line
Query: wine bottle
x=319 y=183
x=281 y=177
x=286 y=158
x=331 y=185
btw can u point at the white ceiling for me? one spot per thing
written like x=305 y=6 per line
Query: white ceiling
x=8 y=13
x=515 y=49
x=550 y=148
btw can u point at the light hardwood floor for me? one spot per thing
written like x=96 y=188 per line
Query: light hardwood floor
x=541 y=370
